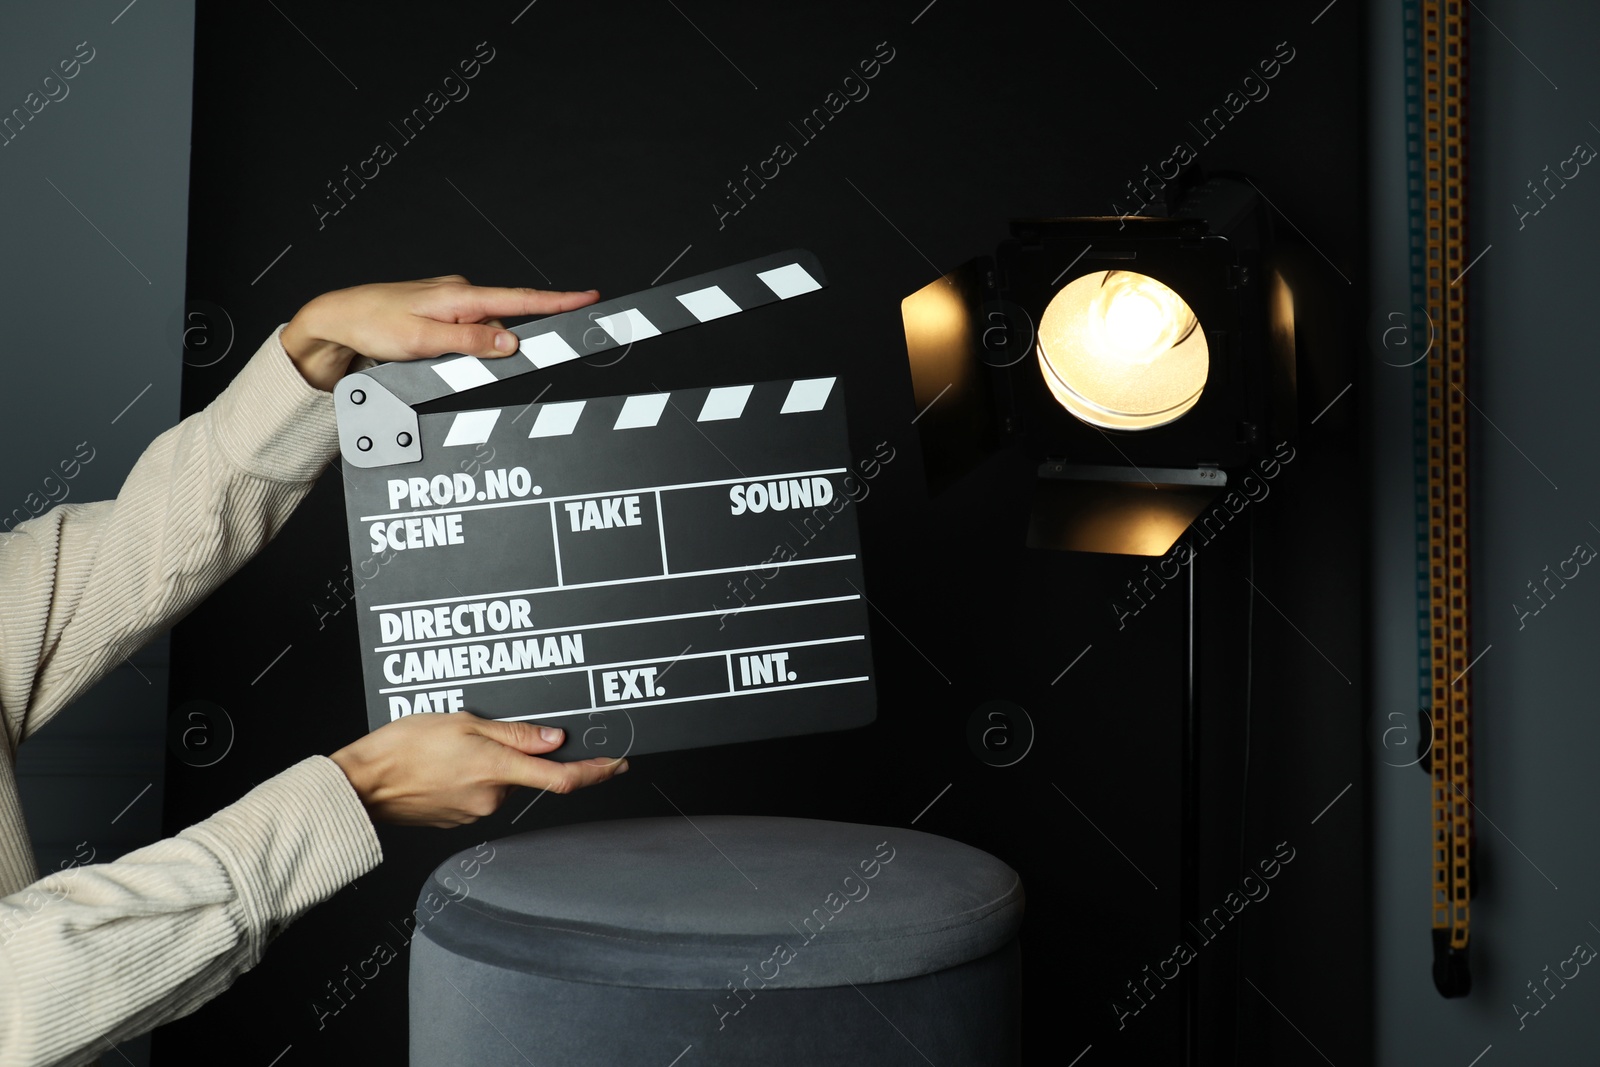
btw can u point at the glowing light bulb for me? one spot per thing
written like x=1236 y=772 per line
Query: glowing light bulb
x=1137 y=317
x=1133 y=322
x=1121 y=350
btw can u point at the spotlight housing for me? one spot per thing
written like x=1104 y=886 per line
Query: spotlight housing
x=1139 y=360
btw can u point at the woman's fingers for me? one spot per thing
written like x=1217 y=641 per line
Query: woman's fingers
x=522 y=736
x=523 y=742
x=432 y=338
x=556 y=777
x=466 y=318
x=445 y=770
x=477 y=302
x=412 y=320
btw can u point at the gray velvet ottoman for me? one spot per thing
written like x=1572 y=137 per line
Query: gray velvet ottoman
x=726 y=940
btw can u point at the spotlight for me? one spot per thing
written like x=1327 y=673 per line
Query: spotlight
x=1142 y=362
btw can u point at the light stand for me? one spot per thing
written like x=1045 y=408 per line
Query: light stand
x=1145 y=363
x=1189 y=832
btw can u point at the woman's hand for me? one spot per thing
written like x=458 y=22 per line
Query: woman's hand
x=452 y=768
x=411 y=320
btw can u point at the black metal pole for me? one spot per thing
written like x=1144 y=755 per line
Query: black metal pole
x=1189 y=835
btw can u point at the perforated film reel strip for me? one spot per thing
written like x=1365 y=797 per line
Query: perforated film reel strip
x=1436 y=128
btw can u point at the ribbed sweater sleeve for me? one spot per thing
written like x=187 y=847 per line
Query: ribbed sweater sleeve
x=92 y=955
x=84 y=585
x=102 y=952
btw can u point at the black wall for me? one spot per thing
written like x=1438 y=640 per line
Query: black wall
x=595 y=144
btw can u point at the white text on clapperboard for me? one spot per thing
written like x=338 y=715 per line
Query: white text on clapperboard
x=504 y=622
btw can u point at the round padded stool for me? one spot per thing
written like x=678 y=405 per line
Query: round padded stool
x=726 y=940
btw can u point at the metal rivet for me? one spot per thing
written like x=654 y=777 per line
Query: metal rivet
x=404 y=440
x=357 y=396
x=364 y=443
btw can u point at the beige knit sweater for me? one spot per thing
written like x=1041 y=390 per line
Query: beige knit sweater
x=98 y=953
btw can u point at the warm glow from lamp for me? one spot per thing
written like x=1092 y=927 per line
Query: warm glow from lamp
x=1122 y=351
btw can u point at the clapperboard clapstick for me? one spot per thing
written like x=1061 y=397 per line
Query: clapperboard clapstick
x=650 y=572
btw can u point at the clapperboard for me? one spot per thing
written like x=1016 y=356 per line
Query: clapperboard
x=650 y=572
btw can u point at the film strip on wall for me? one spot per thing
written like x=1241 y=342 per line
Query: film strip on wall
x=1436 y=126
x=649 y=572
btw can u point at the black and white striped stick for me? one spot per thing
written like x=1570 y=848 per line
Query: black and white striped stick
x=376 y=408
